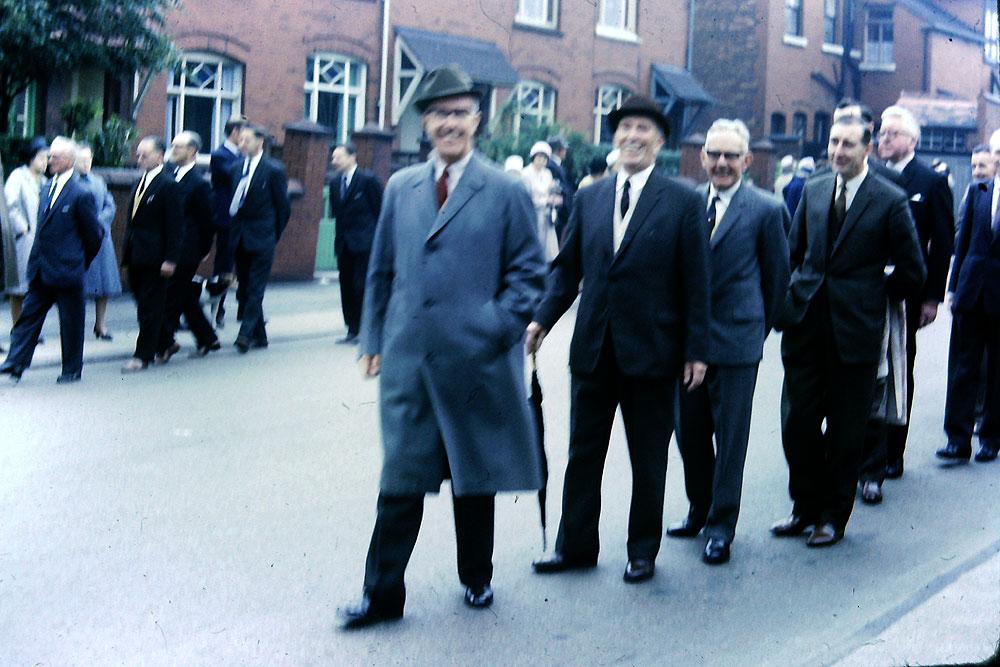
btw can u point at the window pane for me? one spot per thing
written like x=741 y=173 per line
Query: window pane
x=352 y=110
x=328 y=111
x=229 y=78
x=355 y=75
x=533 y=10
x=198 y=114
x=613 y=13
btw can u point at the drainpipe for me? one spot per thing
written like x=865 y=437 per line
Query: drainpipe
x=383 y=83
x=690 y=45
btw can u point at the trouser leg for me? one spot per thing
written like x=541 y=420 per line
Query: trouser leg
x=24 y=335
x=258 y=270
x=965 y=354
x=803 y=397
x=72 y=315
x=694 y=441
x=474 y=538
x=150 y=291
x=989 y=432
x=397 y=524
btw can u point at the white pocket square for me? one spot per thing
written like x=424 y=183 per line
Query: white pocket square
x=917 y=197
x=150 y=198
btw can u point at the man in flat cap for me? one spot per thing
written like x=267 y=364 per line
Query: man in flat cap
x=455 y=273
x=638 y=244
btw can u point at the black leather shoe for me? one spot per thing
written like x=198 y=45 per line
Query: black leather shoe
x=955 y=452
x=242 y=345
x=716 y=551
x=638 y=570
x=790 y=526
x=559 y=563
x=68 y=378
x=824 y=535
x=13 y=373
x=871 y=492
x=350 y=339
x=986 y=453
x=102 y=335
x=894 y=469
x=479 y=597
x=203 y=350
x=258 y=343
x=367 y=613
x=164 y=356
x=690 y=526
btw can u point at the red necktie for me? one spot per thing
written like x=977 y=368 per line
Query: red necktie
x=442 y=188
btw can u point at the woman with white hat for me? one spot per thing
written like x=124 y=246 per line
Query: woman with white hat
x=538 y=179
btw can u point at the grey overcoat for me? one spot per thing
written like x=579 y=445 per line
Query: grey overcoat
x=448 y=297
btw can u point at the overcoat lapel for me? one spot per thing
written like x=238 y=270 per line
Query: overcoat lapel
x=468 y=185
x=647 y=202
x=861 y=201
x=818 y=221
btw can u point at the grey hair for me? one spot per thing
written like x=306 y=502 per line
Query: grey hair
x=995 y=140
x=910 y=123
x=734 y=125
x=62 y=143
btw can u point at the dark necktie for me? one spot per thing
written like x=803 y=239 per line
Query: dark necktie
x=442 y=188
x=712 y=214
x=839 y=213
x=623 y=208
x=343 y=187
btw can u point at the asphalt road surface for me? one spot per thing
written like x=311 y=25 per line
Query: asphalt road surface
x=218 y=511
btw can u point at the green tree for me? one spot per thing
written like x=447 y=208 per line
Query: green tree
x=41 y=38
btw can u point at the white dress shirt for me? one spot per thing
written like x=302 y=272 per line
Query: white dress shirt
x=852 y=185
x=637 y=182
x=725 y=198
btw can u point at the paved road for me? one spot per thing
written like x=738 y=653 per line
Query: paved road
x=217 y=511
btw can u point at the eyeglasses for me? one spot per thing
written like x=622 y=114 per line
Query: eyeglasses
x=459 y=114
x=890 y=135
x=730 y=157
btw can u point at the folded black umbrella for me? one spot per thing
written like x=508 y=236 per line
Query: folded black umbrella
x=536 y=408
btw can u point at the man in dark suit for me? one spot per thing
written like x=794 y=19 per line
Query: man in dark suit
x=932 y=208
x=195 y=207
x=223 y=161
x=355 y=202
x=556 y=165
x=749 y=255
x=68 y=238
x=638 y=244
x=259 y=210
x=975 y=327
x=456 y=270
x=152 y=247
x=849 y=226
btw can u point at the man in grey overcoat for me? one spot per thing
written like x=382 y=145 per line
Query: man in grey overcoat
x=455 y=273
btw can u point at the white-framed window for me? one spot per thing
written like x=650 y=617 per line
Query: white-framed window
x=879 y=38
x=830 y=10
x=203 y=92
x=536 y=105
x=408 y=74
x=991 y=48
x=334 y=93
x=608 y=99
x=617 y=19
x=945 y=139
x=793 y=18
x=541 y=13
x=799 y=122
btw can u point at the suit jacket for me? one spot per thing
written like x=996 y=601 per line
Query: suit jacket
x=652 y=296
x=933 y=208
x=875 y=166
x=976 y=270
x=265 y=210
x=448 y=297
x=196 y=207
x=153 y=234
x=878 y=231
x=750 y=272
x=221 y=167
x=68 y=238
x=357 y=213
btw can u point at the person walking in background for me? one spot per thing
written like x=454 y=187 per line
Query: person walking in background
x=785 y=174
x=8 y=255
x=221 y=165
x=355 y=203
x=23 y=192
x=563 y=195
x=540 y=183
x=792 y=192
x=152 y=247
x=195 y=219
x=456 y=270
x=68 y=238
x=259 y=210
x=747 y=228
x=598 y=168
x=101 y=280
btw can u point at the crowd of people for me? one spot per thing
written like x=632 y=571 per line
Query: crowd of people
x=61 y=251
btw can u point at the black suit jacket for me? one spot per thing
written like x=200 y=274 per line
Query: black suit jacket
x=933 y=208
x=221 y=168
x=68 y=237
x=195 y=195
x=977 y=254
x=261 y=219
x=878 y=231
x=357 y=213
x=652 y=296
x=153 y=234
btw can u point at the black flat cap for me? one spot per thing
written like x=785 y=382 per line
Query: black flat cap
x=446 y=81
x=640 y=105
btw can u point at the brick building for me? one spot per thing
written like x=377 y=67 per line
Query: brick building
x=787 y=66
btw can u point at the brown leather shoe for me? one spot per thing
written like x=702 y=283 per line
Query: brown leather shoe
x=824 y=535
x=790 y=526
x=871 y=492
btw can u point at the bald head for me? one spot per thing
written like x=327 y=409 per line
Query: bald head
x=62 y=155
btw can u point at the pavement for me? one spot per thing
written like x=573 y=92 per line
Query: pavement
x=948 y=614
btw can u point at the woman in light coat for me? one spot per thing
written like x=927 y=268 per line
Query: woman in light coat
x=22 y=191
x=539 y=181
x=101 y=280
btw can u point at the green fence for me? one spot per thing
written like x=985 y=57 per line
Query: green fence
x=326 y=259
